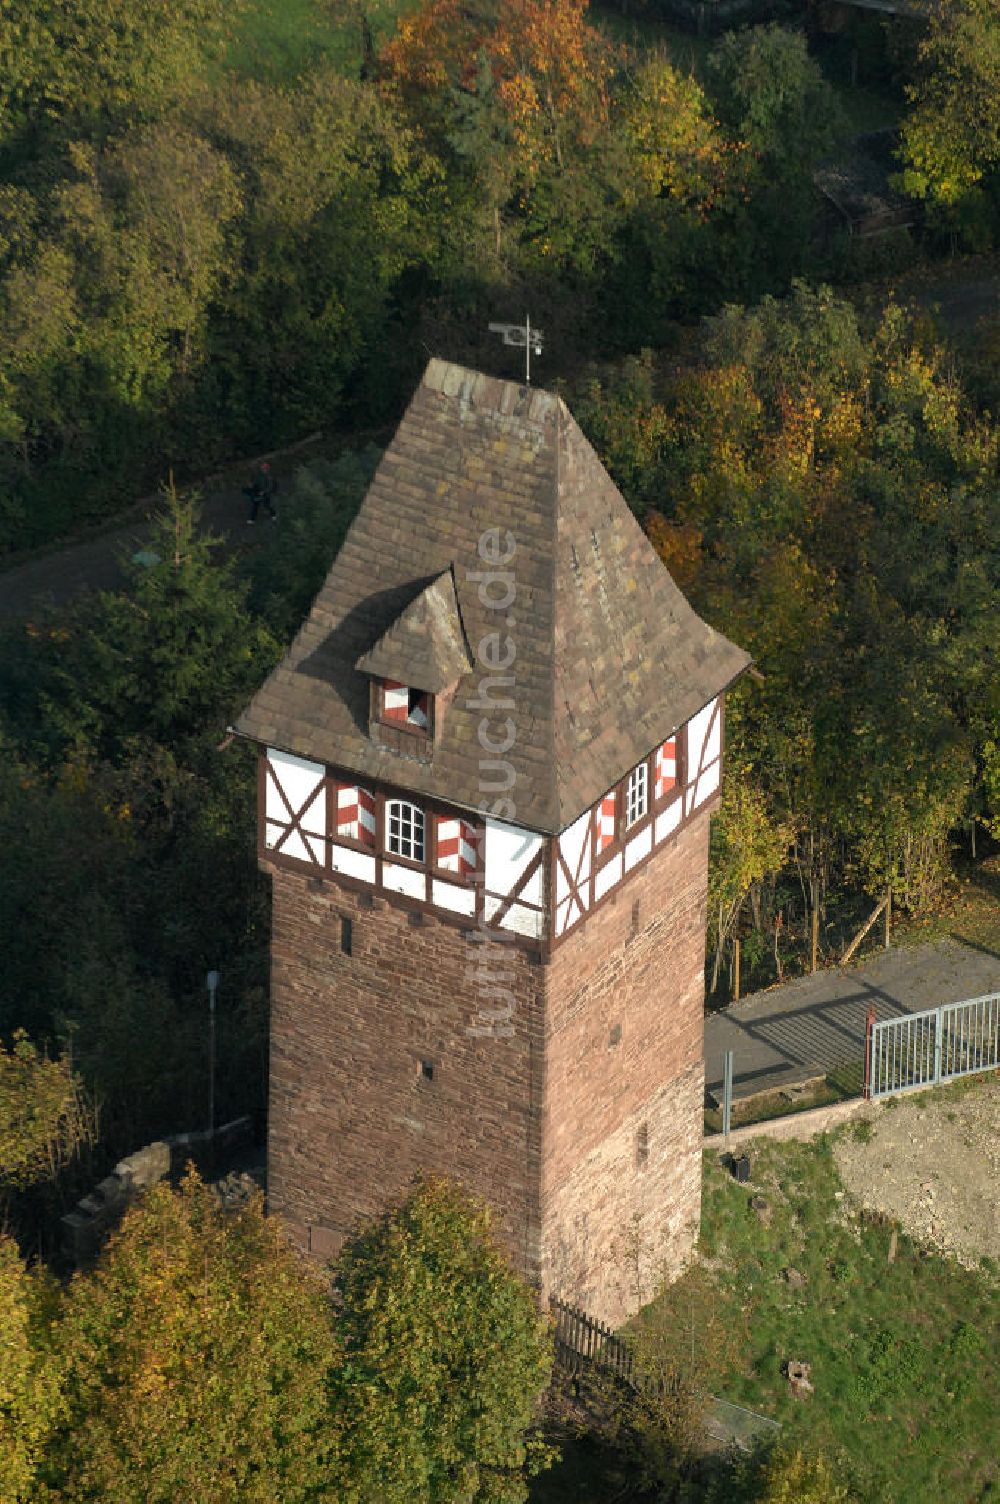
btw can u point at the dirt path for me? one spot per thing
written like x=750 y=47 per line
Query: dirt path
x=93 y=563
x=932 y=1164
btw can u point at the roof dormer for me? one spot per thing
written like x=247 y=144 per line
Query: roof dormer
x=414 y=669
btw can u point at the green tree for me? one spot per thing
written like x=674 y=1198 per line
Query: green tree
x=444 y=1359
x=682 y=1346
x=196 y=1358
x=87 y=65
x=31 y=1403
x=322 y=502
x=791 y=1475
x=164 y=661
x=129 y=865
x=341 y=201
x=772 y=97
x=44 y=1117
x=951 y=134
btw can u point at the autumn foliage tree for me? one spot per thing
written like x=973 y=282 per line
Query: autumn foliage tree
x=828 y=493
x=195 y=1360
x=31 y=1404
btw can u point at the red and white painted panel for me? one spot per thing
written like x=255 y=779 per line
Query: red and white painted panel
x=395 y=701
x=295 y=807
x=665 y=769
x=355 y=818
x=703 y=765
x=607 y=822
x=405 y=705
x=456 y=846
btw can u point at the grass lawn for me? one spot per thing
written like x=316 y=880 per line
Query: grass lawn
x=279 y=39
x=901 y=1353
x=970 y=913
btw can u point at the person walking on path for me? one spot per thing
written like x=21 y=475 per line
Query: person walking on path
x=263 y=488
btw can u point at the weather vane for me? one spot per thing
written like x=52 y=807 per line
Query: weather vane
x=524 y=337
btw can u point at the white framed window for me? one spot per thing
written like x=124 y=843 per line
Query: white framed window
x=636 y=795
x=404 y=829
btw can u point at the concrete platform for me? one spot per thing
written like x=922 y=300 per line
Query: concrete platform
x=794 y=1033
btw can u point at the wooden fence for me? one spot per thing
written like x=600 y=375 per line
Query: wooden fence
x=580 y=1341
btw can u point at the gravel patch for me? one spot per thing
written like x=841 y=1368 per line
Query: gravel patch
x=933 y=1166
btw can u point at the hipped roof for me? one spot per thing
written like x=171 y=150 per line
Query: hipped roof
x=602 y=656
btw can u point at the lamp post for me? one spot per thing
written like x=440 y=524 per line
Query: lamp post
x=212 y=981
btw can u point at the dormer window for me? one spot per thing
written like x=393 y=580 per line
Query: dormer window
x=414 y=670
x=405 y=706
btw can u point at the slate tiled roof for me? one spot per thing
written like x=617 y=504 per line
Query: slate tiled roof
x=425 y=647
x=607 y=659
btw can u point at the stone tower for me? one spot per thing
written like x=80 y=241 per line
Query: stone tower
x=487 y=767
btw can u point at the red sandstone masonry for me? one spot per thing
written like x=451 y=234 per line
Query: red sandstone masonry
x=645 y=978
x=544 y=1123
x=352 y=1120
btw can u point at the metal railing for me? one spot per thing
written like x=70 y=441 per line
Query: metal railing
x=937 y=1045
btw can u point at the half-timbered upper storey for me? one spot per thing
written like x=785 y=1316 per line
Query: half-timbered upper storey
x=497 y=656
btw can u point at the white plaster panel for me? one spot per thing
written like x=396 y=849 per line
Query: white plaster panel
x=707 y=784
x=508 y=851
x=317 y=849
x=567 y=914
x=298 y=778
x=523 y=921
x=352 y=863
x=713 y=748
x=696 y=729
x=639 y=846
x=668 y=820
x=295 y=846
x=574 y=843
x=273 y=832
x=490 y=907
x=450 y=896
x=404 y=880
x=607 y=876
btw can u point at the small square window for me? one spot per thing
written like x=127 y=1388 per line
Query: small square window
x=346 y=936
x=614 y=1036
x=405 y=705
x=427 y=1070
x=636 y=795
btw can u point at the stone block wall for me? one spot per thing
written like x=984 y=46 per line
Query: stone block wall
x=353 y=1114
x=84 y=1229
x=624 y=1091
x=400 y=1045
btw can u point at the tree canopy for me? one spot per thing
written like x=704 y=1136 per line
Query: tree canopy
x=445 y=1357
